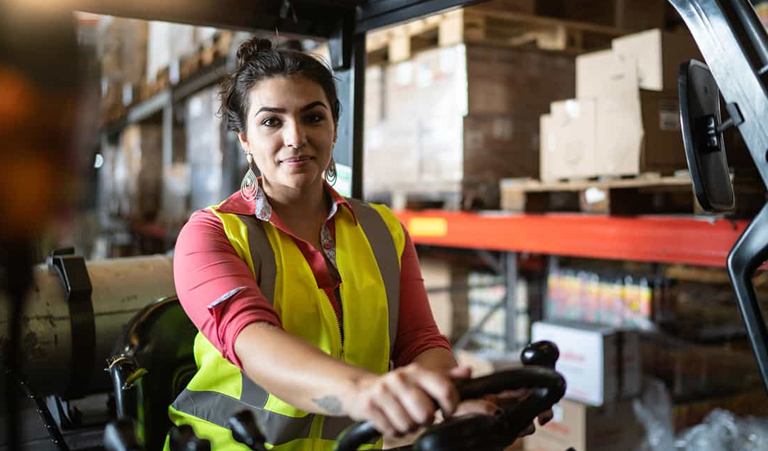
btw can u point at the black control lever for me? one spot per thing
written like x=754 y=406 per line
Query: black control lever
x=541 y=353
x=547 y=387
x=183 y=438
x=246 y=431
x=120 y=435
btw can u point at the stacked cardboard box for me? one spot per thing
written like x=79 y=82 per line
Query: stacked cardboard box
x=587 y=428
x=459 y=118
x=205 y=149
x=625 y=117
x=445 y=282
x=169 y=43
x=625 y=14
x=137 y=173
x=601 y=364
x=122 y=51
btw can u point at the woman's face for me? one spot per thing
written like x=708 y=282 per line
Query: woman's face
x=290 y=131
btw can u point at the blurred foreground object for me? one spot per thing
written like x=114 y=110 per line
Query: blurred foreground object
x=39 y=131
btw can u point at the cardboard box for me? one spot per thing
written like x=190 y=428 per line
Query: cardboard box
x=374 y=95
x=496 y=84
x=458 y=119
x=659 y=55
x=605 y=74
x=628 y=134
x=568 y=140
x=495 y=145
x=639 y=133
x=450 y=307
x=585 y=428
x=138 y=172
x=511 y=6
x=626 y=14
x=204 y=149
x=600 y=363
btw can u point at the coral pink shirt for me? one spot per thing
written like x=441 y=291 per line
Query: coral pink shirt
x=220 y=295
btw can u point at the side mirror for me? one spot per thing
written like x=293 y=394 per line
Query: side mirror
x=703 y=136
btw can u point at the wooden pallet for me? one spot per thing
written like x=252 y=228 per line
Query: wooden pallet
x=403 y=199
x=645 y=194
x=480 y=26
x=452 y=196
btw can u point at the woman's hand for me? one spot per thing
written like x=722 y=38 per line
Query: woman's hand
x=401 y=401
x=495 y=404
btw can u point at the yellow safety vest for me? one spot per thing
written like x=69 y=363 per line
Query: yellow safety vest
x=368 y=260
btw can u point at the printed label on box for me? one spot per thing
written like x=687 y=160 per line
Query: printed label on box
x=669 y=115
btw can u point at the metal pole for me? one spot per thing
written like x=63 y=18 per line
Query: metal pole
x=351 y=90
x=511 y=299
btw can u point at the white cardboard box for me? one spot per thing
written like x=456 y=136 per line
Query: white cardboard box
x=658 y=55
x=605 y=74
x=567 y=145
x=600 y=363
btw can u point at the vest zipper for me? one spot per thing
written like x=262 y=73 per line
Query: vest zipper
x=339 y=324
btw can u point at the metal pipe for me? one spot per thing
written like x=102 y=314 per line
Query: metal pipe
x=753 y=29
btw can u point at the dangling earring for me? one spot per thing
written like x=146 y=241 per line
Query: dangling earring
x=250 y=182
x=330 y=173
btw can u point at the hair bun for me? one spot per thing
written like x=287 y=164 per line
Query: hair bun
x=251 y=47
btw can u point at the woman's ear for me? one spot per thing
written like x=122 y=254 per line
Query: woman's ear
x=243 y=142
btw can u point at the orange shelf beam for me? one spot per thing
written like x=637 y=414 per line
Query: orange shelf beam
x=688 y=240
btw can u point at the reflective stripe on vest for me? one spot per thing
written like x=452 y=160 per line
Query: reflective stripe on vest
x=280 y=428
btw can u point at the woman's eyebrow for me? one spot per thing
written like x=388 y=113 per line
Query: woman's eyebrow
x=269 y=109
x=314 y=104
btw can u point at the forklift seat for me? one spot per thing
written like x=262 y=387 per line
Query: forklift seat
x=152 y=362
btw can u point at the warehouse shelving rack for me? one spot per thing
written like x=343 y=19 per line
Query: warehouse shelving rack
x=701 y=241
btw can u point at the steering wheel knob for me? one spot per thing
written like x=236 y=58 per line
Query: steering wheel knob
x=183 y=438
x=245 y=431
x=541 y=353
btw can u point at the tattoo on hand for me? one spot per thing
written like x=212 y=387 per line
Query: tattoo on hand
x=331 y=404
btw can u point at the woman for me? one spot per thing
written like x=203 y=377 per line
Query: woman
x=304 y=299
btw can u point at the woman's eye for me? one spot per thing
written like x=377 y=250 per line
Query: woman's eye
x=271 y=122
x=312 y=118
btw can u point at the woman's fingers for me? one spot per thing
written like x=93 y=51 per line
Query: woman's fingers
x=528 y=431
x=477 y=406
x=389 y=403
x=380 y=421
x=438 y=387
x=546 y=417
x=460 y=372
x=419 y=406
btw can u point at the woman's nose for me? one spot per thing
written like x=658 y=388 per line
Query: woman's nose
x=294 y=134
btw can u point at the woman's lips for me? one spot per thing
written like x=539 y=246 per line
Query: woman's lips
x=297 y=161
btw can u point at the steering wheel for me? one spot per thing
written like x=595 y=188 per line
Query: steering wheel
x=466 y=433
x=473 y=432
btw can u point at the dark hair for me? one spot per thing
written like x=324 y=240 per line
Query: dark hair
x=257 y=61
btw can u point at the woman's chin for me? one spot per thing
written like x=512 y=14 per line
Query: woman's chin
x=301 y=180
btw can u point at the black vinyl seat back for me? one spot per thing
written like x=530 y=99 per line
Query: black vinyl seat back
x=152 y=363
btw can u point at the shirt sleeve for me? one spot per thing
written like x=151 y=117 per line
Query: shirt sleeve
x=416 y=328
x=215 y=287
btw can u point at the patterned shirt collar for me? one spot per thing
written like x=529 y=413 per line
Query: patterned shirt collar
x=261 y=208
